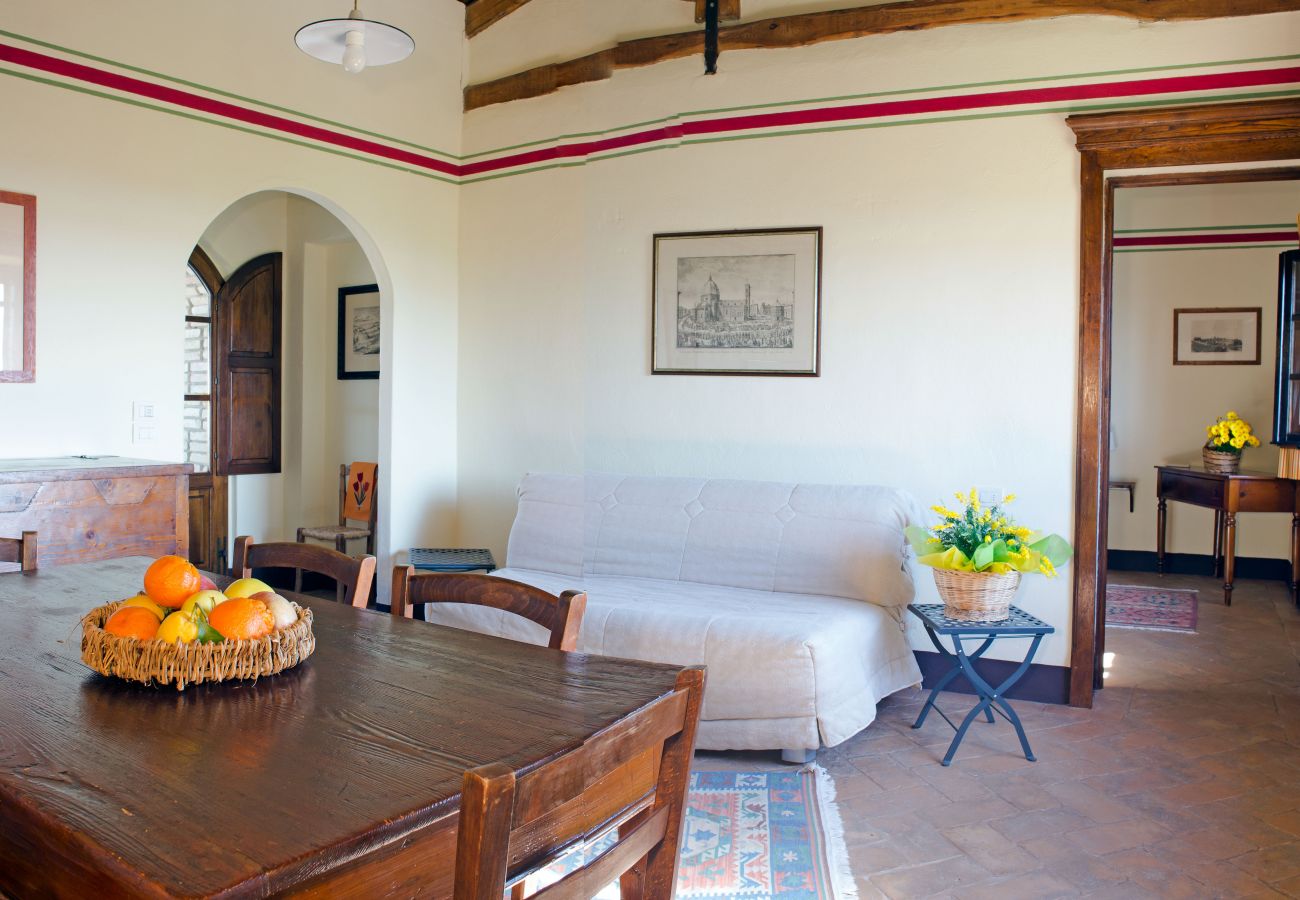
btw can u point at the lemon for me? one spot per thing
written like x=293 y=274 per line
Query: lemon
x=143 y=601
x=246 y=587
x=179 y=626
x=203 y=600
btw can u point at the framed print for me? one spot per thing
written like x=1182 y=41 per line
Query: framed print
x=737 y=302
x=359 y=331
x=1217 y=336
x=17 y=287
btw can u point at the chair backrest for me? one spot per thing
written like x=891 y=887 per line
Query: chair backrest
x=21 y=550
x=353 y=576
x=512 y=825
x=357 y=485
x=561 y=615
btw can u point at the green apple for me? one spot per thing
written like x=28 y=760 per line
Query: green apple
x=204 y=600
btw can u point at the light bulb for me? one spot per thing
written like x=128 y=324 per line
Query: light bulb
x=354 y=55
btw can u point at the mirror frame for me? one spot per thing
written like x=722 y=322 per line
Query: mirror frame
x=28 y=371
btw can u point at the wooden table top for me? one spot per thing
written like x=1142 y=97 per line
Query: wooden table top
x=203 y=791
x=1197 y=470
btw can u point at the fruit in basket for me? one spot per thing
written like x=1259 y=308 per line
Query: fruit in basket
x=206 y=583
x=204 y=600
x=281 y=609
x=240 y=618
x=170 y=580
x=246 y=587
x=133 y=622
x=179 y=626
x=143 y=602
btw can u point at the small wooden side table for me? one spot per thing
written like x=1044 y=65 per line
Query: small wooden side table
x=1227 y=495
x=1019 y=624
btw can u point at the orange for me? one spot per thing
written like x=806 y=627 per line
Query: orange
x=242 y=617
x=134 y=622
x=171 y=580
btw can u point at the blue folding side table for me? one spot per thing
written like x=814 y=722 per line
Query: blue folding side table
x=441 y=560
x=1018 y=624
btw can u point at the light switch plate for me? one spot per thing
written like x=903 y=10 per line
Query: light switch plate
x=144 y=434
x=143 y=409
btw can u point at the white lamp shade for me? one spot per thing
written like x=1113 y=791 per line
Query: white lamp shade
x=327 y=39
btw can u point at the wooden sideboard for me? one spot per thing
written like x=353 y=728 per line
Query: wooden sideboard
x=88 y=508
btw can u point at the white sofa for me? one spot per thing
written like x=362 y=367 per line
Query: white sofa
x=792 y=594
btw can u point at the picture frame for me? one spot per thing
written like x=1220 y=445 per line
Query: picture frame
x=1217 y=336
x=745 y=302
x=359 y=332
x=17 y=287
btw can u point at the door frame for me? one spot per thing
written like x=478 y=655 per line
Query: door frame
x=208 y=273
x=1212 y=134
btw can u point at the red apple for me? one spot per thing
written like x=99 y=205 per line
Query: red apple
x=206 y=583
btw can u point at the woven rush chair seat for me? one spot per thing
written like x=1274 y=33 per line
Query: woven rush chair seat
x=330 y=532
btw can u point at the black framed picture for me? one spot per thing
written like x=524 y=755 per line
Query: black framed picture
x=359 y=331
x=737 y=302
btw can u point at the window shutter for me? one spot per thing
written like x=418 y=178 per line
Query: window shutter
x=248 y=360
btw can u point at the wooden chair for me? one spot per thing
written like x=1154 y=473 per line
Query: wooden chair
x=357 y=486
x=512 y=825
x=20 y=550
x=561 y=615
x=353 y=576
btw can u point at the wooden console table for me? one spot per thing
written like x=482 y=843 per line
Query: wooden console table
x=1227 y=495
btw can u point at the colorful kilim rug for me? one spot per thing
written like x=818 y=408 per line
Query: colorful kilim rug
x=1152 y=609
x=752 y=835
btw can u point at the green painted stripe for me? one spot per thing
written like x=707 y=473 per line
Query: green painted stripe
x=203 y=87
x=1203 y=228
x=275 y=136
x=1214 y=247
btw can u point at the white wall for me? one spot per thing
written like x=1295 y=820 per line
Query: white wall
x=1158 y=410
x=124 y=191
x=950 y=284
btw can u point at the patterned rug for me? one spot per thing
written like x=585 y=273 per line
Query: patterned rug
x=1151 y=609
x=752 y=835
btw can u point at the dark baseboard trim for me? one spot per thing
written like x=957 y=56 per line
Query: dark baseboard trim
x=1198 y=564
x=1042 y=683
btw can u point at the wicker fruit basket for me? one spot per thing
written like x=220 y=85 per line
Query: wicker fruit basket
x=976 y=596
x=158 y=662
x=1219 y=462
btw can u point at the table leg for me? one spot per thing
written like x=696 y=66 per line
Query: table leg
x=990 y=695
x=1160 y=536
x=947 y=679
x=1218 y=543
x=1295 y=553
x=1229 y=554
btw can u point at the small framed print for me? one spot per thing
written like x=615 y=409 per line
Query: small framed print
x=737 y=302
x=359 y=331
x=1217 y=336
x=17 y=287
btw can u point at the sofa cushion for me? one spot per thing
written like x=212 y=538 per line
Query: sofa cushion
x=827 y=540
x=770 y=655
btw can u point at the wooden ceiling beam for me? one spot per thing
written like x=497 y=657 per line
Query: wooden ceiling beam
x=481 y=13
x=836 y=25
x=728 y=10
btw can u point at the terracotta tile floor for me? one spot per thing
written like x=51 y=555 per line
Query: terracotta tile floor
x=1183 y=781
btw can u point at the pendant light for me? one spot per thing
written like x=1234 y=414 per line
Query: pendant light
x=354 y=42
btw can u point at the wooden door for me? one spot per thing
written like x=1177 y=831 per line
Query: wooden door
x=248 y=361
x=208 y=512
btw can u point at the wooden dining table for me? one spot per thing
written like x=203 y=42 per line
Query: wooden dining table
x=338 y=777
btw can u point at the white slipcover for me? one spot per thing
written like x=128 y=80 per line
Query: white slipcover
x=791 y=594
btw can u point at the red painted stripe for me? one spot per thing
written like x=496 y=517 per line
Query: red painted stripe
x=951 y=103
x=1233 y=237
x=809 y=116
x=140 y=88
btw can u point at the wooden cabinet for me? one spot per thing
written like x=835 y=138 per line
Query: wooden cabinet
x=96 y=508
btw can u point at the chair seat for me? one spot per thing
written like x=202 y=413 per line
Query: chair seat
x=330 y=532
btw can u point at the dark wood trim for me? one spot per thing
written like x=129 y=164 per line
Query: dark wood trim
x=1041 y=684
x=803 y=29
x=207 y=271
x=1258 y=567
x=481 y=14
x=1219 y=176
x=1186 y=136
x=1259 y=334
x=209 y=482
x=27 y=373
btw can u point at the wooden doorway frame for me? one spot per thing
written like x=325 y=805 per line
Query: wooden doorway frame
x=1217 y=134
